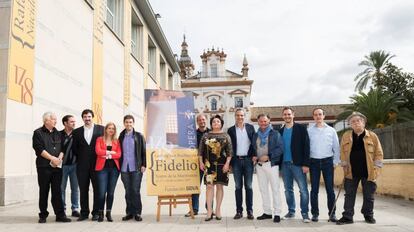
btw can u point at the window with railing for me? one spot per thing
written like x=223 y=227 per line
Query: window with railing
x=114 y=16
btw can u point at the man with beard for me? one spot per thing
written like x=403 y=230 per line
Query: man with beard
x=84 y=141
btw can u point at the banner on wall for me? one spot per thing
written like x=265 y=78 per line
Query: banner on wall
x=172 y=162
x=21 y=51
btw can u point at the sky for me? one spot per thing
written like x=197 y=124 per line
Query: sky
x=299 y=51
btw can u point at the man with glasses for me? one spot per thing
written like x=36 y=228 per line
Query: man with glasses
x=361 y=159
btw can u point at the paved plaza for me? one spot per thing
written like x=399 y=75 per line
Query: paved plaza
x=391 y=215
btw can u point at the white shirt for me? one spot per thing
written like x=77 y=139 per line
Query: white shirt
x=243 y=141
x=87 y=133
x=323 y=142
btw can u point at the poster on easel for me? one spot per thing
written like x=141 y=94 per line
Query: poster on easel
x=172 y=161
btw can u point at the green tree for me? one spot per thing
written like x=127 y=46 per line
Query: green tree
x=380 y=108
x=374 y=64
x=397 y=82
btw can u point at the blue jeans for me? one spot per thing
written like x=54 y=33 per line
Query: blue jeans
x=107 y=179
x=132 y=185
x=292 y=172
x=195 y=197
x=69 y=171
x=326 y=167
x=243 y=170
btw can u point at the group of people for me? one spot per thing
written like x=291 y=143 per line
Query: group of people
x=93 y=154
x=294 y=150
x=88 y=154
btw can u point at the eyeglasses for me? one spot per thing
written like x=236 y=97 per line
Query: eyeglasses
x=354 y=121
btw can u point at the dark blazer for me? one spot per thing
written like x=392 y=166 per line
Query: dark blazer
x=299 y=145
x=140 y=149
x=275 y=147
x=85 y=154
x=233 y=135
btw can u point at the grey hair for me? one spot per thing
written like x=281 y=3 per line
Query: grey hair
x=48 y=115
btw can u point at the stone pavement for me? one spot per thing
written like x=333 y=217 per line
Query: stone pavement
x=391 y=215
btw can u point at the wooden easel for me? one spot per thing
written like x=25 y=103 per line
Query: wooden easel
x=174 y=200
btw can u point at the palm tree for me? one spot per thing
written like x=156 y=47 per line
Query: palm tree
x=374 y=63
x=380 y=108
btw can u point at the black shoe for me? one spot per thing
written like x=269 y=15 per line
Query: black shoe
x=250 y=216
x=333 y=219
x=189 y=214
x=42 y=220
x=238 y=216
x=138 y=218
x=276 y=219
x=82 y=218
x=209 y=218
x=264 y=216
x=75 y=213
x=63 y=219
x=100 y=216
x=315 y=218
x=127 y=217
x=370 y=219
x=95 y=217
x=108 y=216
x=344 y=221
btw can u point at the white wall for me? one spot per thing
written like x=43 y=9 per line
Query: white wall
x=62 y=83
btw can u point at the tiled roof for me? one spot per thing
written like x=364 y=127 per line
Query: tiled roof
x=301 y=111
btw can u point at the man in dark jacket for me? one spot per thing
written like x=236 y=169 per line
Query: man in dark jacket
x=133 y=163
x=84 y=141
x=268 y=148
x=295 y=166
x=69 y=165
x=201 y=130
x=48 y=148
x=241 y=135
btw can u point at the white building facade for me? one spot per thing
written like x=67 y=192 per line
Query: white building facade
x=216 y=90
x=78 y=54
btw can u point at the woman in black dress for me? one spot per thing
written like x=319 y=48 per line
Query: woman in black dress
x=215 y=153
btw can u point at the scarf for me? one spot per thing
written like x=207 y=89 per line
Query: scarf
x=263 y=135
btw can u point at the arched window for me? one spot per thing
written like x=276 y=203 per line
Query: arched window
x=213 y=104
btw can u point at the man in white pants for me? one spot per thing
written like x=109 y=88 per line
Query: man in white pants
x=268 y=146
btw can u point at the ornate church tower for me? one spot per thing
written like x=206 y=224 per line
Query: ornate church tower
x=186 y=65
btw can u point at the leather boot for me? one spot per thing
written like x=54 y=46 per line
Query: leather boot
x=100 y=216
x=109 y=216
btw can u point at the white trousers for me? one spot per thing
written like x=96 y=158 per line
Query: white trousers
x=265 y=175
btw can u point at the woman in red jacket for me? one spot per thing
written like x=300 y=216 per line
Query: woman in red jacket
x=108 y=152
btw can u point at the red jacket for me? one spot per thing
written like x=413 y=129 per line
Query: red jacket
x=100 y=149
